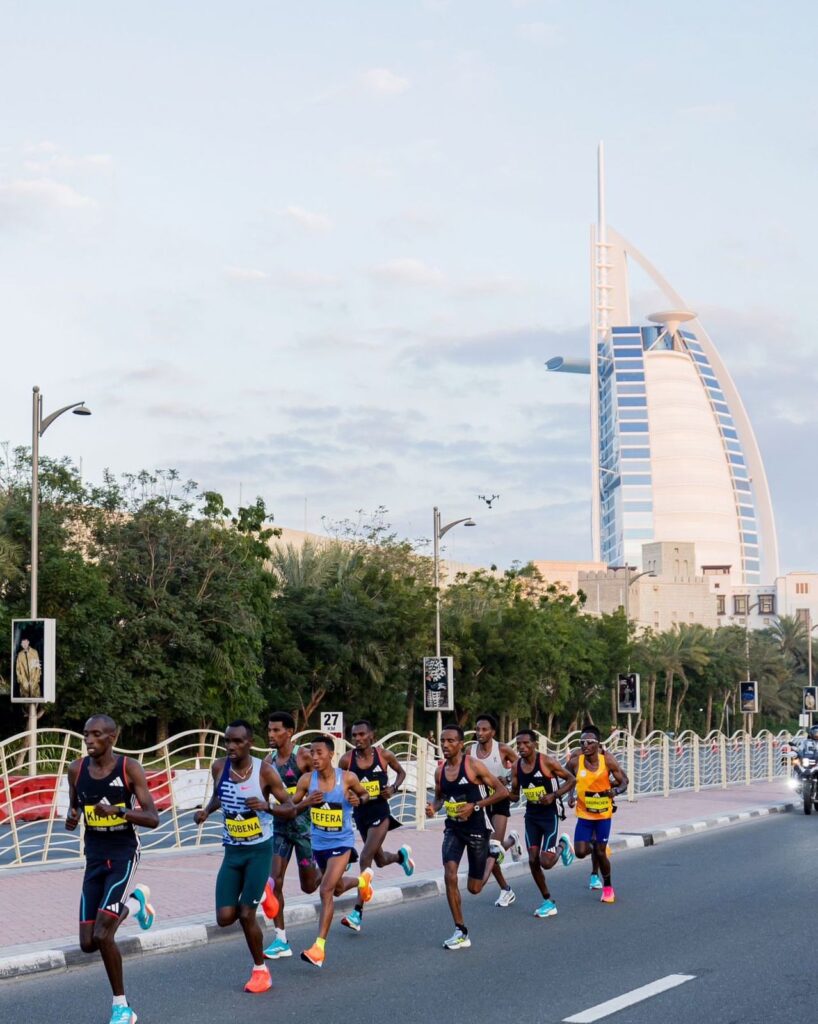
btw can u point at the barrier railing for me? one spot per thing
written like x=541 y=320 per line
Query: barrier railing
x=33 y=803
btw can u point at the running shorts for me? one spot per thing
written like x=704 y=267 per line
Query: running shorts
x=541 y=833
x=475 y=845
x=294 y=835
x=371 y=814
x=243 y=874
x=589 y=831
x=503 y=808
x=106 y=883
x=323 y=857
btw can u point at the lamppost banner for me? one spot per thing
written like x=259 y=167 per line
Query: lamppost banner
x=33 y=656
x=810 y=703
x=748 y=696
x=438 y=684
x=629 y=694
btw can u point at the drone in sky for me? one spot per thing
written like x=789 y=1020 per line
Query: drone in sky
x=489 y=499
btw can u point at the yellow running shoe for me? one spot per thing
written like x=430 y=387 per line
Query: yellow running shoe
x=365 y=885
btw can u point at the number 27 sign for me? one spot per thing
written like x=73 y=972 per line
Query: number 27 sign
x=332 y=722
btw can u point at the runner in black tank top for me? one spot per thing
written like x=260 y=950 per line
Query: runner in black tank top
x=540 y=780
x=461 y=787
x=110 y=793
x=374 y=819
x=291 y=836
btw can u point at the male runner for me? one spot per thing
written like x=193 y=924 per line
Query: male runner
x=462 y=785
x=594 y=769
x=374 y=819
x=331 y=794
x=537 y=778
x=242 y=787
x=498 y=758
x=291 y=763
x=111 y=792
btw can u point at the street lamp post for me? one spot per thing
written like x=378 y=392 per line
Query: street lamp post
x=438 y=532
x=628 y=584
x=39 y=425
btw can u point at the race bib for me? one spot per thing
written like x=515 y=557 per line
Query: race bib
x=242 y=829
x=328 y=818
x=291 y=790
x=534 y=794
x=454 y=807
x=93 y=820
x=372 y=787
x=597 y=804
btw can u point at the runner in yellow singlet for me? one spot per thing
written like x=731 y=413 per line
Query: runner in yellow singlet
x=594 y=769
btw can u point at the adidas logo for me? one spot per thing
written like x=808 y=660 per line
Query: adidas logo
x=117 y=782
x=537 y=775
x=325 y=806
x=463 y=782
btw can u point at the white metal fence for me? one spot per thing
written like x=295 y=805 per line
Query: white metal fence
x=34 y=791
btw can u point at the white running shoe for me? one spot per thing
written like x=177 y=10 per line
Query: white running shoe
x=516 y=846
x=496 y=850
x=457 y=941
x=505 y=899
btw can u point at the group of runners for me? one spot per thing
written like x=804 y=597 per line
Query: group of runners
x=295 y=801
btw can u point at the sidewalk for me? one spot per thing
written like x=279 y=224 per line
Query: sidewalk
x=43 y=901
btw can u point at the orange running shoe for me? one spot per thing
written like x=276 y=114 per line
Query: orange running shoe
x=260 y=981
x=314 y=955
x=269 y=901
x=608 y=895
x=365 y=885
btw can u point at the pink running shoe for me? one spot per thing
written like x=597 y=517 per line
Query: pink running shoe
x=608 y=895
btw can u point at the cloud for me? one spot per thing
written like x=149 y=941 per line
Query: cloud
x=300 y=280
x=710 y=112
x=540 y=32
x=308 y=219
x=499 y=347
x=384 y=82
x=42 y=194
x=408 y=271
x=245 y=274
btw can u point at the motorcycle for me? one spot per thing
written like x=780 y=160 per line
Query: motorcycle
x=805 y=779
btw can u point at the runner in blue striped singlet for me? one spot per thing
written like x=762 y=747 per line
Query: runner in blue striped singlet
x=111 y=794
x=330 y=794
x=242 y=787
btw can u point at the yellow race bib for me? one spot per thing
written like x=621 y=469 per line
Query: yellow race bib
x=329 y=818
x=453 y=807
x=373 y=787
x=242 y=829
x=597 y=804
x=291 y=790
x=534 y=794
x=93 y=820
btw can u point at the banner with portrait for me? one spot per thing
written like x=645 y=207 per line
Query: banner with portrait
x=629 y=694
x=438 y=684
x=33 y=660
x=748 y=696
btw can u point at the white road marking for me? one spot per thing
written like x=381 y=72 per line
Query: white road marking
x=636 y=995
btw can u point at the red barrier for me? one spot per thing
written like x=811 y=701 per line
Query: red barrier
x=31 y=797
x=161 y=788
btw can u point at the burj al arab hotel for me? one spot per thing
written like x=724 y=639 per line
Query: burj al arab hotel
x=674 y=457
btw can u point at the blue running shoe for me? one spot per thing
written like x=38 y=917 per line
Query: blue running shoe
x=352 y=920
x=567 y=852
x=406 y=862
x=546 y=909
x=278 y=949
x=146 y=915
x=122 y=1015
x=594 y=882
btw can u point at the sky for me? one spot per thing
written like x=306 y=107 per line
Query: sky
x=319 y=251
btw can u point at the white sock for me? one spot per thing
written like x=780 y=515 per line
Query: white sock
x=120 y=1001
x=132 y=905
x=261 y=967
x=281 y=933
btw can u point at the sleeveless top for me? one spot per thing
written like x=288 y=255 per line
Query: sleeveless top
x=460 y=791
x=290 y=774
x=494 y=762
x=331 y=821
x=243 y=826
x=374 y=780
x=590 y=783
x=106 y=835
x=535 y=784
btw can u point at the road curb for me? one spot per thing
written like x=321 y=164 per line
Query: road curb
x=178 y=937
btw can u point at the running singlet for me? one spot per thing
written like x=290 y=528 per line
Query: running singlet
x=589 y=785
x=494 y=762
x=533 y=786
x=374 y=779
x=332 y=820
x=106 y=833
x=290 y=774
x=243 y=826
x=456 y=794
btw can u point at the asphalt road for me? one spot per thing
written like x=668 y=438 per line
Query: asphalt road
x=731 y=910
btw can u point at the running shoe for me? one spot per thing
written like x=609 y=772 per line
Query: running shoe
x=505 y=899
x=146 y=915
x=496 y=850
x=594 y=882
x=314 y=955
x=548 y=908
x=260 y=981
x=457 y=941
x=608 y=895
x=278 y=949
x=365 y=889
x=269 y=901
x=516 y=845
x=122 y=1015
x=352 y=920
x=567 y=852
x=406 y=862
